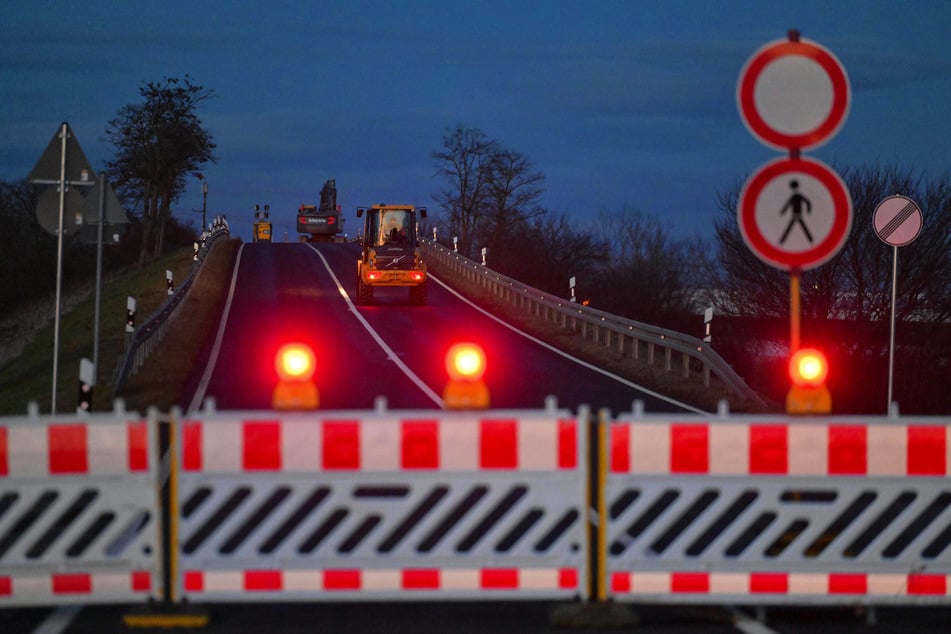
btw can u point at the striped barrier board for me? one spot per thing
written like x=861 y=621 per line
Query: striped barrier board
x=79 y=510
x=393 y=505
x=778 y=510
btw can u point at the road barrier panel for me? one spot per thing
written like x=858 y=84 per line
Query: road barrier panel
x=401 y=505
x=78 y=509
x=778 y=510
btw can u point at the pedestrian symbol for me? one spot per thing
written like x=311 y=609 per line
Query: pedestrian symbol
x=795 y=205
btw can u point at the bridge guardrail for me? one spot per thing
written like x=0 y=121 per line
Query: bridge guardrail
x=149 y=335
x=624 y=335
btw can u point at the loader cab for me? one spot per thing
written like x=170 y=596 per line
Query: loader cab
x=390 y=226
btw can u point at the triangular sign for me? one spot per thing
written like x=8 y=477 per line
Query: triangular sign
x=78 y=170
x=114 y=214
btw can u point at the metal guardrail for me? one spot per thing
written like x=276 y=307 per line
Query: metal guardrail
x=147 y=337
x=631 y=338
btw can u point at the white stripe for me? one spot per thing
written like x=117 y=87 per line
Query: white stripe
x=808 y=449
x=808 y=583
x=729 y=449
x=650 y=582
x=381 y=580
x=537 y=579
x=58 y=620
x=747 y=625
x=729 y=583
x=216 y=348
x=887 y=584
x=28 y=451
x=390 y=354
x=224 y=581
x=460 y=579
x=222 y=446
x=887 y=450
x=108 y=448
x=380 y=445
x=301 y=446
x=459 y=445
x=537 y=445
x=650 y=447
x=303 y=580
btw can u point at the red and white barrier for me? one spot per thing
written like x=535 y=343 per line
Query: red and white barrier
x=780 y=448
x=81 y=519
x=429 y=444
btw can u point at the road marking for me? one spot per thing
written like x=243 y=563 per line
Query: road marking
x=58 y=620
x=216 y=349
x=376 y=337
x=747 y=624
x=564 y=354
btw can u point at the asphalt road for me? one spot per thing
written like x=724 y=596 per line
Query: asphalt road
x=290 y=291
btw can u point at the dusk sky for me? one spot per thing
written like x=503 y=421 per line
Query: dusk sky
x=617 y=103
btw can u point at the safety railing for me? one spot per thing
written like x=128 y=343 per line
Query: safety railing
x=680 y=353
x=148 y=336
x=479 y=505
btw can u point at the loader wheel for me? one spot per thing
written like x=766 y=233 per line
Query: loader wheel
x=364 y=293
x=418 y=295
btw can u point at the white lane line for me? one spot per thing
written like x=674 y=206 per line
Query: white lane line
x=585 y=364
x=58 y=620
x=749 y=625
x=390 y=354
x=216 y=349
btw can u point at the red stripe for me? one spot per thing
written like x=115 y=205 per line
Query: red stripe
x=927 y=451
x=848 y=449
x=620 y=448
x=848 y=583
x=138 y=441
x=141 y=581
x=4 y=453
x=769 y=583
x=421 y=579
x=341 y=445
x=263 y=580
x=6 y=587
x=79 y=583
x=927 y=584
x=261 y=445
x=690 y=582
x=499 y=578
x=689 y=448
x=769 y=449
x=342 y=580
x=419 y=444
x=194 y=581
x=498 y=444
x=620 y=582
x=191 y=445
x=568 y=578
x=68 y=449
x=567 y=444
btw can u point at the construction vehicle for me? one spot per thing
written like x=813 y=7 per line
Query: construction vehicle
x=390 y=254
x=323 y=223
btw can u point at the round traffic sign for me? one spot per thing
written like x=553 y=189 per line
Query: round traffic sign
x=897 y=221
x=793 y=94
x=47 y=211
x=795 y=213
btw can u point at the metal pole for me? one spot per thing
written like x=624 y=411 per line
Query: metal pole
x=204 y=203
x=891 y=342
x=95 y=326
x=59 y=261
x=794 y=311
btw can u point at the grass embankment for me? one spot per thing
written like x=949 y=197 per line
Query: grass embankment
x=28 y=377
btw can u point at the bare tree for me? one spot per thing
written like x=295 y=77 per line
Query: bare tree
x=512 y=194
x=464 y=163
x=158 y=143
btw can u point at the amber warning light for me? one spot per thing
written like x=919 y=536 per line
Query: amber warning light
x=295 y=364
x=465 y=364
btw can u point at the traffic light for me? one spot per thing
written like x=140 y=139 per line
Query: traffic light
x=465 y=363
x=808 y=370
x=295 y=364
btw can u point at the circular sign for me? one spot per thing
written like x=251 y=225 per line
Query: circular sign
x=793 y=94
x=47 y=211
x=897 y=221
x=795 y=213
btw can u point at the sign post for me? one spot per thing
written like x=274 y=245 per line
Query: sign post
x=897 y=222
x=794 y=213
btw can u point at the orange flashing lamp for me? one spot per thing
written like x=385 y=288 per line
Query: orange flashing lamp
x=295 y=364
x=808 y=370
x=465 y=363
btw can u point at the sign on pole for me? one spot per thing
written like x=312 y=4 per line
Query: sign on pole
x=793 y=94
x=795 y=213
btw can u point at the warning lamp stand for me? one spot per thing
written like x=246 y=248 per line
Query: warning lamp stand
x=465 y=364
x=808 y=395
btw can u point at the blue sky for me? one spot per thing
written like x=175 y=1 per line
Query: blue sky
x=616 y=103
